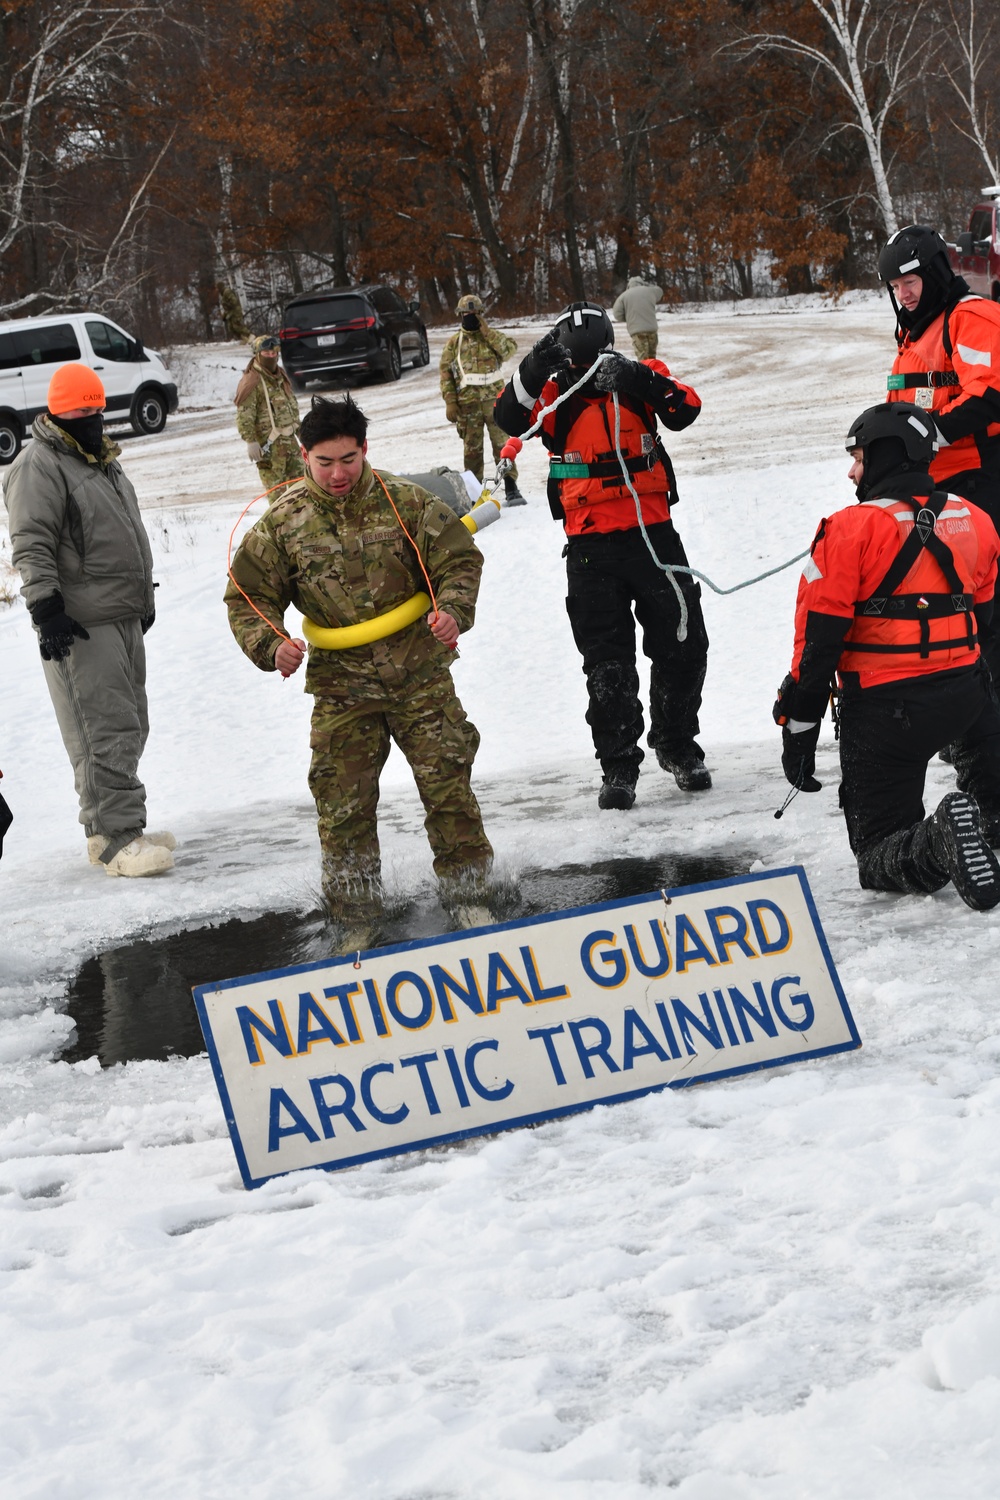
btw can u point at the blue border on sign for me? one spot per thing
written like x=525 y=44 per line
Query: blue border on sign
x=798 y=871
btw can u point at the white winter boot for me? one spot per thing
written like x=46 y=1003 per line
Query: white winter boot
x=140 y=857
x=98 y=842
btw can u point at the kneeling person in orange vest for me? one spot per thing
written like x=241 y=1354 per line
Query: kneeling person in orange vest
x=609 y=567
x=344 y=544
x=894 y=599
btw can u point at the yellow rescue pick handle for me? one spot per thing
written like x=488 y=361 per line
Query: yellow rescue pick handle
x=342 y=637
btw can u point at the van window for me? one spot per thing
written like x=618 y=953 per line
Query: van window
x=9 y=357
x=51 y=344
x=109 y=342
x=326 y=311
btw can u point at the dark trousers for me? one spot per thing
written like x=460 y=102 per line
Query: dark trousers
x=982 y=487
x=609 y=574
x=888 y=735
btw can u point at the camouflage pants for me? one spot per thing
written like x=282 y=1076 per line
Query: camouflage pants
x=475 y=411
x=283 y=462
x=350 y=744
x=644 y=345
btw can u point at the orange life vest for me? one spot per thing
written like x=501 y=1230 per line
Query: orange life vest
x=922 y=608
x=957 y=356
x=585 y=476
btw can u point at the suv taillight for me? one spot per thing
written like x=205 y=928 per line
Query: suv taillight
x=288 y=333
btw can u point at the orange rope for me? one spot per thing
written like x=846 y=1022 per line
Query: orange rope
x=229 y=555
x=281 y=486
x=427 y=576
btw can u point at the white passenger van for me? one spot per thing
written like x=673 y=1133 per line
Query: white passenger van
x=139 y=387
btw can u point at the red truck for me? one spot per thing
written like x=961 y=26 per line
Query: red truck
x=977 y=254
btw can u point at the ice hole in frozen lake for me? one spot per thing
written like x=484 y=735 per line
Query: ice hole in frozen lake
x=135 y=1001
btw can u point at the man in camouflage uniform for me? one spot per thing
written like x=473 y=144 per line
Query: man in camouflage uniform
x=334 y=546
x=231 y=310
x=267 y=415
x=471 y=382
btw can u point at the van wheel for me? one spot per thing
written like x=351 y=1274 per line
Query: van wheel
x=394 y=368
x=149 y=410
x=424 y=352
x=10 y=438
x=995 y=291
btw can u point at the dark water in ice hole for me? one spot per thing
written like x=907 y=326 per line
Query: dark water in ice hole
x=135 y=1001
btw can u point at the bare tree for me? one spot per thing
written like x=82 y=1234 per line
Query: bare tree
x=57 y=62
x=974 y=67
x=879 y=51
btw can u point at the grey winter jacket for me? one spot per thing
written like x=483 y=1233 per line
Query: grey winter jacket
x=636 y=307
x=75 y=527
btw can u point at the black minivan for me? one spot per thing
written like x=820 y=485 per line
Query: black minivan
x=351 y=329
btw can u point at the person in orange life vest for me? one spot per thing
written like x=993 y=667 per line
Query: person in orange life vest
x=948 y=362
x=609 y=568
x=894 y=597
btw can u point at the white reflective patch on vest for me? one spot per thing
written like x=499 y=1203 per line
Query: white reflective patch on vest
x=811 y=573
x=974 y=356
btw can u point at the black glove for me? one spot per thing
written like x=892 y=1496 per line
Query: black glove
x=543 y=361
x=798 y=758
x=146 y=622
x=630 y=378
x=56 y=629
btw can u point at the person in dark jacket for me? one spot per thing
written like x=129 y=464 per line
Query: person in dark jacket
x=87 y=577
x=894 y=598
x=614 y=501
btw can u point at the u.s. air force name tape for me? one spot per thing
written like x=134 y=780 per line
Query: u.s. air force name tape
x=334 y=1063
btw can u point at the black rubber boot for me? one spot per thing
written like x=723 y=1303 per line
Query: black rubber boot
x=616 y=795
x=686 y=765
x=958 y=844
x=511 y=494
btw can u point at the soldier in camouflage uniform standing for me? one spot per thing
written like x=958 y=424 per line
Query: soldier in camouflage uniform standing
x=231 y=309
x=267 y=415
x=334 y=545
x=471 y=382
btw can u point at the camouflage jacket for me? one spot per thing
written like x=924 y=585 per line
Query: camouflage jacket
x=342 y=560
x=479 y=353
x=253 y=418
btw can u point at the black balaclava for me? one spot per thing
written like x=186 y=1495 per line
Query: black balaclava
x=87 y=431
x=470 y=322
x=885 y=458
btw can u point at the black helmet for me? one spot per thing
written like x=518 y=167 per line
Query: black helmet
x=895 y=419
x=915 y=248
x=585 y=330
x=894 y=438
x=919 y=250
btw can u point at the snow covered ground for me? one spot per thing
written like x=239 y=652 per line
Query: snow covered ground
x=781 y=1287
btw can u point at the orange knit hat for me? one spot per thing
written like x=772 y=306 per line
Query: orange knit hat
x=75 y=386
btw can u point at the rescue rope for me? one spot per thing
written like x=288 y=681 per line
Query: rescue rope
x=668 y=568
x=229 y=555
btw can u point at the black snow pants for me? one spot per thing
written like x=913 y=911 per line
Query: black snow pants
x=607 y=573
x=982 y=487
x=888 y=734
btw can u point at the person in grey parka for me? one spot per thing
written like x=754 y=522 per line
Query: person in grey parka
x=636 y=308
x=87 y=578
